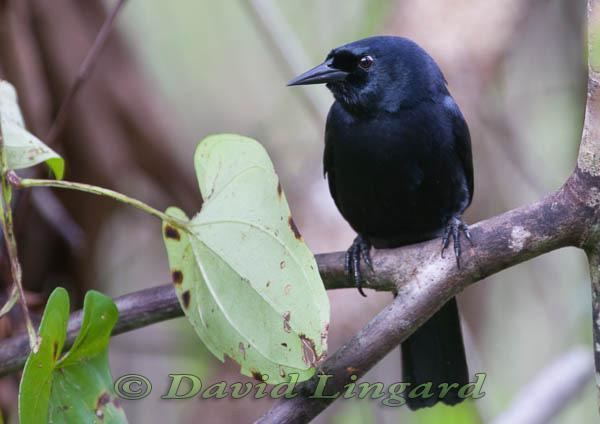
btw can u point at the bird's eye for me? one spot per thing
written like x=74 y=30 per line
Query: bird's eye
x=365 y=62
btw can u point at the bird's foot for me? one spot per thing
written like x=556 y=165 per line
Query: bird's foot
x=454 y=228
x=360 y=249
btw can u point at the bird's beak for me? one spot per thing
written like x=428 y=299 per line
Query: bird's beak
x=321 y=74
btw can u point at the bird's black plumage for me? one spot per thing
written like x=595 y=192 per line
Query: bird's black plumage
x=399 y=167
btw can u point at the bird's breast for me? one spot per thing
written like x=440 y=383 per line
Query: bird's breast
x=391 y=179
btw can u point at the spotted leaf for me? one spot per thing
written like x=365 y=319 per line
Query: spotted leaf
x=243 y=275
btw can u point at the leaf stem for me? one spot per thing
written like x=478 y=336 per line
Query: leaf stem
x=15 y=267
x=6 y=222
x=99 y=191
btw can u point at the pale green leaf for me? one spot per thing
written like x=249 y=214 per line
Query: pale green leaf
x=245 y=278
x=22 y=148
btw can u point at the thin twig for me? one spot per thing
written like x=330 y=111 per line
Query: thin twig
x=84 y=72
x=13 y=298
x=13 y=256
x=551 y=391
x=286 y=49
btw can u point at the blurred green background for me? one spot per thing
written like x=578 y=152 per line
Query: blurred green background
x=517 y=70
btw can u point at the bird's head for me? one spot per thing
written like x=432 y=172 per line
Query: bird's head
x=382 y=73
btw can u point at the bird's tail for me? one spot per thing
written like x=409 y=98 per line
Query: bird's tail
x=435 y=354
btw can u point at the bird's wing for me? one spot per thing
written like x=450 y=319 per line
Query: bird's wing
x=328 y=168
x=462 y=141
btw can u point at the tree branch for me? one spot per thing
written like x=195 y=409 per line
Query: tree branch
x=588 y=171
x=426 y=281
x=594 y=263
x=501 y=241
x=136 y=310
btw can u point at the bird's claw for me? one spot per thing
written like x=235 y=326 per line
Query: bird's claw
x=359 y=249
x=454 y=228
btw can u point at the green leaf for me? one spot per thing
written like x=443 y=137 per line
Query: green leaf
x=77 y=387
x=36 y=383
x=243 y=275
x=22 y=148
x=463 y=413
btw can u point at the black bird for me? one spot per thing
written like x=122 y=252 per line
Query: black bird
x=399 y=167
